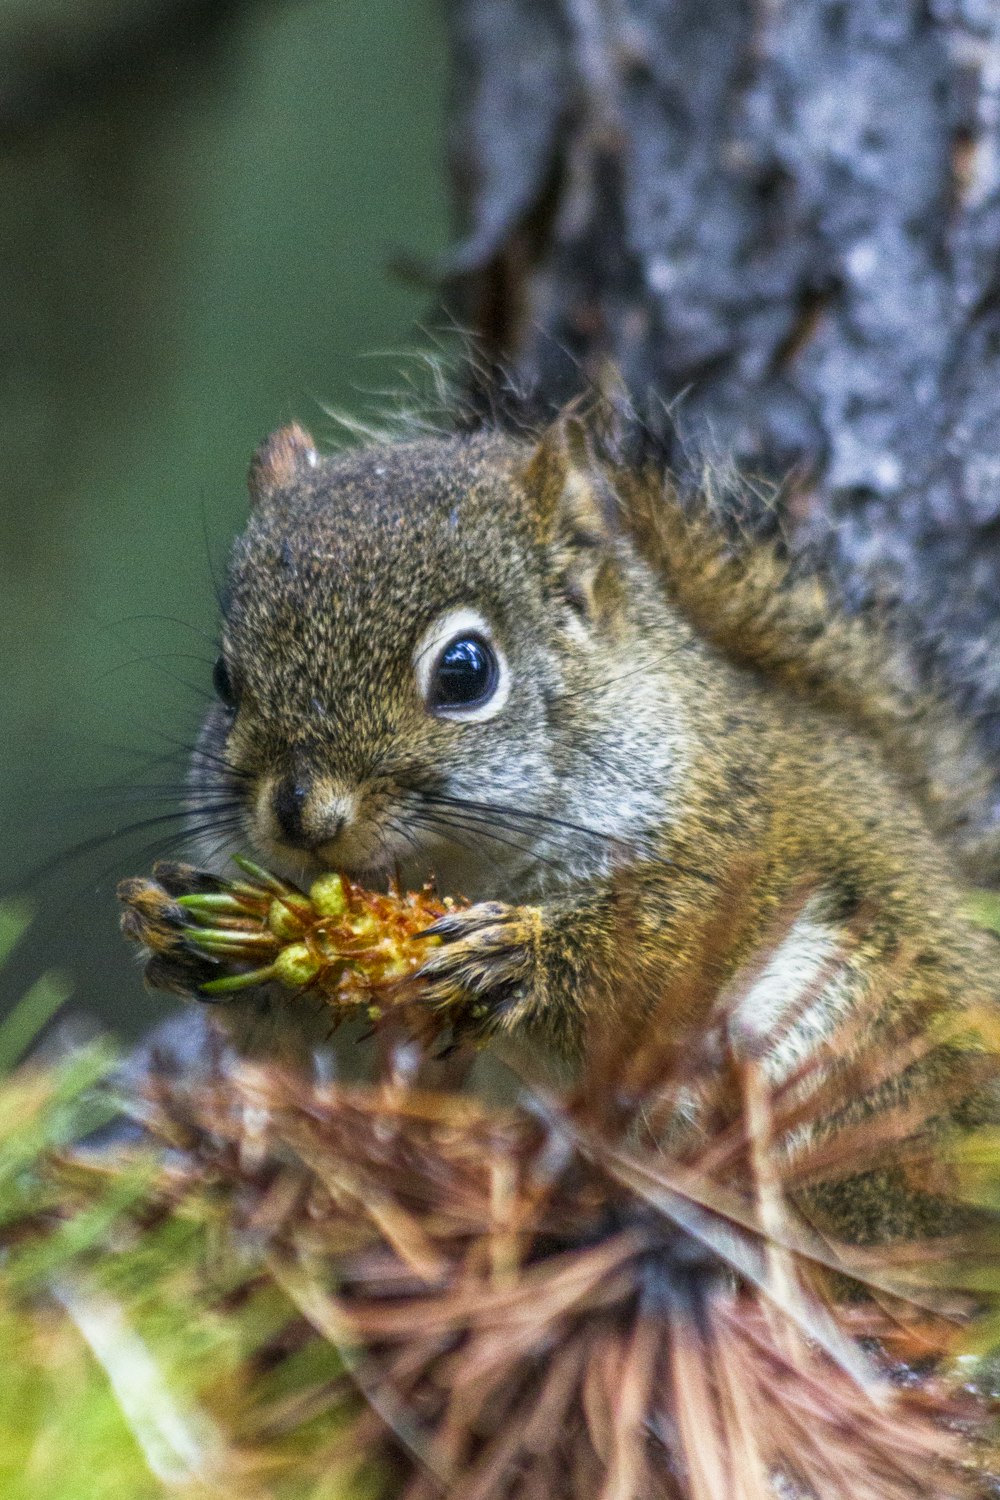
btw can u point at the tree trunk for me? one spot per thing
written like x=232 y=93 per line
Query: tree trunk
x=781 y=221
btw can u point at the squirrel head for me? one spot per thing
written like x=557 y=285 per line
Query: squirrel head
x=425 y=660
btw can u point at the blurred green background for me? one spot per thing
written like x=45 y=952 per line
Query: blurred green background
x=196 y=226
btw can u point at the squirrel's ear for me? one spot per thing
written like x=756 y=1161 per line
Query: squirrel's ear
x=283 y=458
x=573 y=500
x=575 y=507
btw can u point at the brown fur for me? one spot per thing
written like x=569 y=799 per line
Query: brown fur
x=682 y=708
x=749 y=602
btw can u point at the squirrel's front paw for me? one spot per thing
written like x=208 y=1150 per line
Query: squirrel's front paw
x=487 y=963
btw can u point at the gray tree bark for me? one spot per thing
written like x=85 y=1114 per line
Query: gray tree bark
x=780 y=219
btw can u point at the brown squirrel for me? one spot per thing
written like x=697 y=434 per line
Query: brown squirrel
x=525 y=668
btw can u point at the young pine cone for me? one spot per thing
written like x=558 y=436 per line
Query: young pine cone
x=357 y=950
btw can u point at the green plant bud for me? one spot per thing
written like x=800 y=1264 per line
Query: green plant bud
x=229 y=984
x=215 y=903
x=328 y=896
x=283 y=921
x=364 y=925
x=296 y=966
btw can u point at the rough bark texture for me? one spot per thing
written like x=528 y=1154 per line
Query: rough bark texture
x=781 y=219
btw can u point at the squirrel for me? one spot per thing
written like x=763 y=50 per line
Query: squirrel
x=522 y=665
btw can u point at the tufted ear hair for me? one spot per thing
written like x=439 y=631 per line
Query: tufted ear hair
x=576 y=511
x=283 y=460
x=573 y=499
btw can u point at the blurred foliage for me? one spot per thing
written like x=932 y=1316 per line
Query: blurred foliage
x=146 y=1354
x=136 y=1346
x=193 y=249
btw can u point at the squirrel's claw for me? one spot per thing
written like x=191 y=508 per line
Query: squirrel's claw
x=488 y=956
x=456 y=924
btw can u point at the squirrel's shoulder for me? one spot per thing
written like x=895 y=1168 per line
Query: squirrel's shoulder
x=778 y=614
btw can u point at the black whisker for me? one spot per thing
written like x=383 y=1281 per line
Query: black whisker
x=199 y=689
x=477 y=823
x=486 y=815
x=656 y=661
x=521 y=815
x=170 y=620
x=153 y=657
x=186 y=753
x=226 y=832
x=397 y=827
x=434 y=825
x=181 y=838
x=117 y=796
x=219 y=774
x=484 y=830
x=224 y=815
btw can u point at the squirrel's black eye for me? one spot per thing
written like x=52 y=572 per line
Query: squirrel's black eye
x=223 y=684
x=466 y=676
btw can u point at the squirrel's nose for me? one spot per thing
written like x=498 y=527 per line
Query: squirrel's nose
x=296 y=818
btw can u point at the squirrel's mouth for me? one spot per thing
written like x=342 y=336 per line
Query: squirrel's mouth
x=373 y=841
x=366 y=853
x=409 y=859
x=302 y=866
